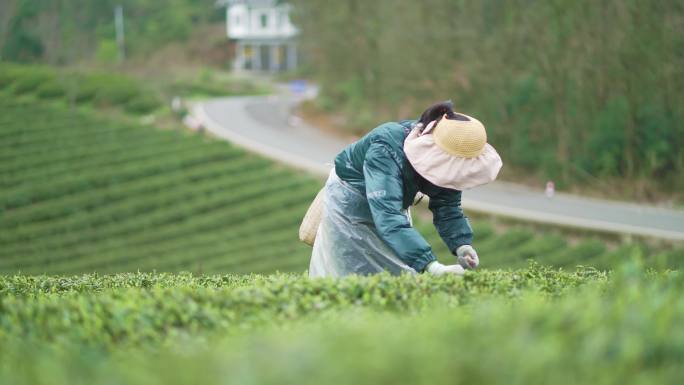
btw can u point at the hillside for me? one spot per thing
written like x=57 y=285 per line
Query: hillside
x=81 y=193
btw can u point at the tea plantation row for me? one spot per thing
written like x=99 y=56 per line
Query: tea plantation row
x=143 y=308
x=100 y=89
x=533 y=325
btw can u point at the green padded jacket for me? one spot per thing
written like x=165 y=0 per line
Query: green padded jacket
x=377 y=167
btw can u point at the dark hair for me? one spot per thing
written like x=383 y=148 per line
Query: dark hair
x=436 y=111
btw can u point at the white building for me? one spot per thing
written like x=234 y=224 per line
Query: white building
x=263 y=35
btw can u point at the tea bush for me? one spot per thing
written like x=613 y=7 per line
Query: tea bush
x=29 y=80
x=213 y=87
x=50 y=90
x=85 y=91
x=142 y=104
x=104 y=89
x=114 y=90
x=141 y=308
x=8 y=74
x=668 y=258
x=584 y=252
x=540 y=247
x=533 y=325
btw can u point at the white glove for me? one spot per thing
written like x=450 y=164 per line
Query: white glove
x=467 y=257
x=436 y=268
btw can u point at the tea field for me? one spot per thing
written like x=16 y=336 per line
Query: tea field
x=532 y=325
x=79 y=193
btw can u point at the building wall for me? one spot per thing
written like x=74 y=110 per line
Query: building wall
x=265 y=55
x=245 y=22
x=263 y=36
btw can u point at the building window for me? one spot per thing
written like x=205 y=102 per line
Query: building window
x=264 y=20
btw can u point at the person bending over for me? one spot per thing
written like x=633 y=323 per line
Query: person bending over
x=366 y=228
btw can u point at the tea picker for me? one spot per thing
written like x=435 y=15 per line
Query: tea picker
x=359 y=222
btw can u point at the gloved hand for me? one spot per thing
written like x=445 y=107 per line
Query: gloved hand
x=467 y=257
x=436 y=268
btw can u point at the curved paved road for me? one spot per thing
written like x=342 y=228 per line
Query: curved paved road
x=263 y=124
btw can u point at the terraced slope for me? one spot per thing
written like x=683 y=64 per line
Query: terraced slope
x=79 y=193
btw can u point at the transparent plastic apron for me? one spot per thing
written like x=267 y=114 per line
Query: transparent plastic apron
x=347 y=241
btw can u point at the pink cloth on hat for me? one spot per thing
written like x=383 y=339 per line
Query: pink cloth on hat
x=445 y=170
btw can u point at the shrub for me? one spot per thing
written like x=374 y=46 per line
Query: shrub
x=499 y=250
x=50 y=90
x=142 y=104
x=580 y=254
x=481 y=231
x=617 y=256
x=106 y=89
x=219 y=87
x=540 y=246
x=670 y=259
x=507 y=241
x=8 y=74
x=116 y=93
x=29 y=79
x=84 y=92
x=518 y=254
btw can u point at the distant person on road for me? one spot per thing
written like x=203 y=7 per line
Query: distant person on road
x=366 y=229
x=550 y=189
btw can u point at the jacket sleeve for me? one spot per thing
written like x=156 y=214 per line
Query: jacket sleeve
x=385 y=196
x=447 y=215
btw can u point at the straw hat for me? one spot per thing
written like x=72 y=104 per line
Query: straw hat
x=453 y=153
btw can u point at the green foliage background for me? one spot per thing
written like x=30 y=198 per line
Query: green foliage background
x=65 y=31
x=572 y=89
